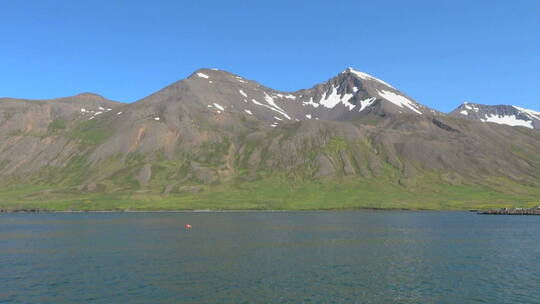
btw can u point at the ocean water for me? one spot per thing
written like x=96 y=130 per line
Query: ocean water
x=269 y=257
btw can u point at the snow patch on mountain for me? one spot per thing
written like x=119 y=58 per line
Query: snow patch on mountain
x=470 y=106
x=534 y=114
x=366 y=76
x=273 y=106
x=269 y=100
x=366 y=103
x=398 y=100
x=219 y=106
x=510 y=120
x=290 y=96
x=310 y=103
x=203 y=75
x=333 y=99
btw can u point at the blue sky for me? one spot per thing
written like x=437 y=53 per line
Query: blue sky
x=439 y=52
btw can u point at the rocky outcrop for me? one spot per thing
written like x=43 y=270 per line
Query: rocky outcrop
x=513 y=211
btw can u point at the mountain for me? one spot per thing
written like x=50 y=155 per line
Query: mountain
x=500 y=114
x=349 y=95
x=218 y=140
x=22 y=115
x=30 y=130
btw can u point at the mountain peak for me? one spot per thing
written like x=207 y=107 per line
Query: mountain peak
x=365 y=76
x=206 y=73
x=89 y=95
x=348 y=96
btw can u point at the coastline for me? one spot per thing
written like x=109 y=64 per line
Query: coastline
x=227 y=210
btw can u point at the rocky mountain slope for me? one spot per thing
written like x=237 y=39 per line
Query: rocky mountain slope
x=500 y=114
x=30 y=130
x=218 y=140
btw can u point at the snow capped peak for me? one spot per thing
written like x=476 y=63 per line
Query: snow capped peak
x=468 y=103
x=366 y=76
x=340 y=98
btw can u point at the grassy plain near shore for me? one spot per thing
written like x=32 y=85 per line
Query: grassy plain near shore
x=277 y=194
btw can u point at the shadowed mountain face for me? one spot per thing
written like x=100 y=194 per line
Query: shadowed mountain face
x=500 y=114
x=218 y=134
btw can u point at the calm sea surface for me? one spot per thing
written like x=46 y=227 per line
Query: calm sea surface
x=269 y=257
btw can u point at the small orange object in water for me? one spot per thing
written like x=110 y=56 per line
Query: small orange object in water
x=188 y=226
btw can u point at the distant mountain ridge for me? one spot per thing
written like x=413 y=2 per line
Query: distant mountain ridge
x=500 y=114
x=219 y=140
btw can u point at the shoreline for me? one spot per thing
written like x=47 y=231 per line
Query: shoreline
x=502 y=211
x=226 y=210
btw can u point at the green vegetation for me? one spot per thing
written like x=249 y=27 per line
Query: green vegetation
x=336 y=145
x=275 y=194
x=279 y=170
x=189 y=181
x=58 y=124
x=90 y=132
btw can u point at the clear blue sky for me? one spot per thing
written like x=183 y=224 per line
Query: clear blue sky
x=439 y=52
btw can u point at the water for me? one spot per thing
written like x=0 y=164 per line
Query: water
x=269 y=257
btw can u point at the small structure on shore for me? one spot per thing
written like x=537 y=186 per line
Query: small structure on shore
x=512 y=211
